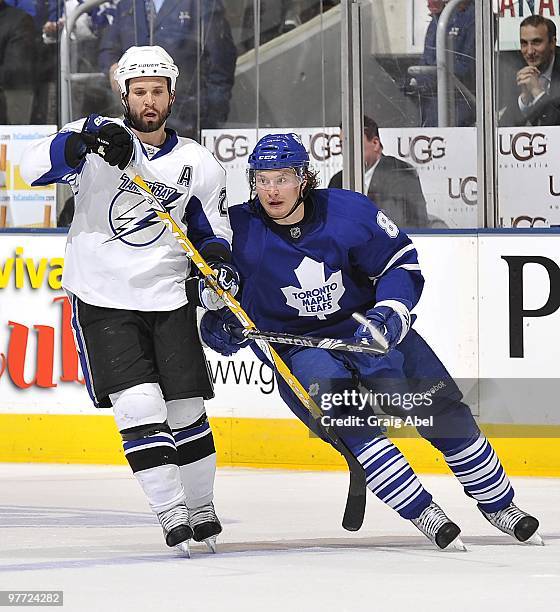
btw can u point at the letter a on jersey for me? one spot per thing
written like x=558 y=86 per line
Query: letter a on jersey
x=317 y=296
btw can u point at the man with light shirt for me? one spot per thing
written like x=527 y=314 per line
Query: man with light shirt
x=535 y=95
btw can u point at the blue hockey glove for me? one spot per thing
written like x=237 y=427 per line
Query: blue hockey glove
x=228 y=280
x=221 y=332
x=110 y=140
x=227 y=275
x=392 y=324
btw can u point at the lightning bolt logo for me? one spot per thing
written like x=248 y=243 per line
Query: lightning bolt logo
x=131 y=215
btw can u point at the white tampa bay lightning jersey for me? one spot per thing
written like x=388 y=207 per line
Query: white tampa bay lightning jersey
x=118 y=254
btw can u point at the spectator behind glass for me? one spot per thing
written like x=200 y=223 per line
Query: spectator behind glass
x=391 y=183
x=91 y=95
x=17 y=56
x=45 y=101
x=36 y=8
x=202 y=100
x=462 y=25
x=46 y=15
x=532 y=95
x=88 y=25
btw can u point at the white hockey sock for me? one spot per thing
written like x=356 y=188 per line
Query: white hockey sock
x=195 y=449
x=198 y=481
x=162 y=486
x=149 y=446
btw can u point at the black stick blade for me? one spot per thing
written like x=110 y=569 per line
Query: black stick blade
x=356 y=501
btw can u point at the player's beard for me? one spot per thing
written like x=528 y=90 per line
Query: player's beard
x=138 y=122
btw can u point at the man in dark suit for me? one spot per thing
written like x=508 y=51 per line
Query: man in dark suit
x=532 y=96
x=390 y=182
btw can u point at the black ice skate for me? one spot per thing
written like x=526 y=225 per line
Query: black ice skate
x=516 y=523
x=206 y=525
x=176 y=527
x=435 y=525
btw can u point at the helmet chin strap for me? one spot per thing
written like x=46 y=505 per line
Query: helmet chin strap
x=293 y=209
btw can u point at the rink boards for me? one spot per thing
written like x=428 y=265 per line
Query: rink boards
x=490 y=309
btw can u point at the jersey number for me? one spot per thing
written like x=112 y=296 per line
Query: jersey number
x=222 y=203
x=388 y=226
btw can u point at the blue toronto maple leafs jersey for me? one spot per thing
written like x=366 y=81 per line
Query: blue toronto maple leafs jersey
x=309 y=278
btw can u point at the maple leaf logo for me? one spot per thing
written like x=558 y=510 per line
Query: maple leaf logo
x=316 y=296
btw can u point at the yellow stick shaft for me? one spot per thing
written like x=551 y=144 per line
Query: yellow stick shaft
x=230 y=301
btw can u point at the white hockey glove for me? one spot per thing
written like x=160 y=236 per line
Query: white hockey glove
x=208 y=298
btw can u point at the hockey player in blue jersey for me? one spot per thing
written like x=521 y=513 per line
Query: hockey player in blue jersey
x=308 y=259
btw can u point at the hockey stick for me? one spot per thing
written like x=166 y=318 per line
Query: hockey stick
x=356 y=501
x=329 y=344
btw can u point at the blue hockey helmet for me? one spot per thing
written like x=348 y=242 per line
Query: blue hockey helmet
x=276 y=151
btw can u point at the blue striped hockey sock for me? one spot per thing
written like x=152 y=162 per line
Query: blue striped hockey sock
x=479 y=470
x=391 y=478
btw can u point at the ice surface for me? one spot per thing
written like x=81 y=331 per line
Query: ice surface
x=88 y=531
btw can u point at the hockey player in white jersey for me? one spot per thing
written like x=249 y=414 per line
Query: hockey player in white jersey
x=125 y=275
x=308 y=259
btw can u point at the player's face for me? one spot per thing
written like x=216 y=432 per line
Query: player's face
x=148 y=101
x=536 y=49
x=278 y=191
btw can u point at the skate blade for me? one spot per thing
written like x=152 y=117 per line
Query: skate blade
x=535 y=540
x=183 y=549
x=457 y=544
x=211 y=543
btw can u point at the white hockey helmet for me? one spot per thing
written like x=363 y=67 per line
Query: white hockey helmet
x=145 y=61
